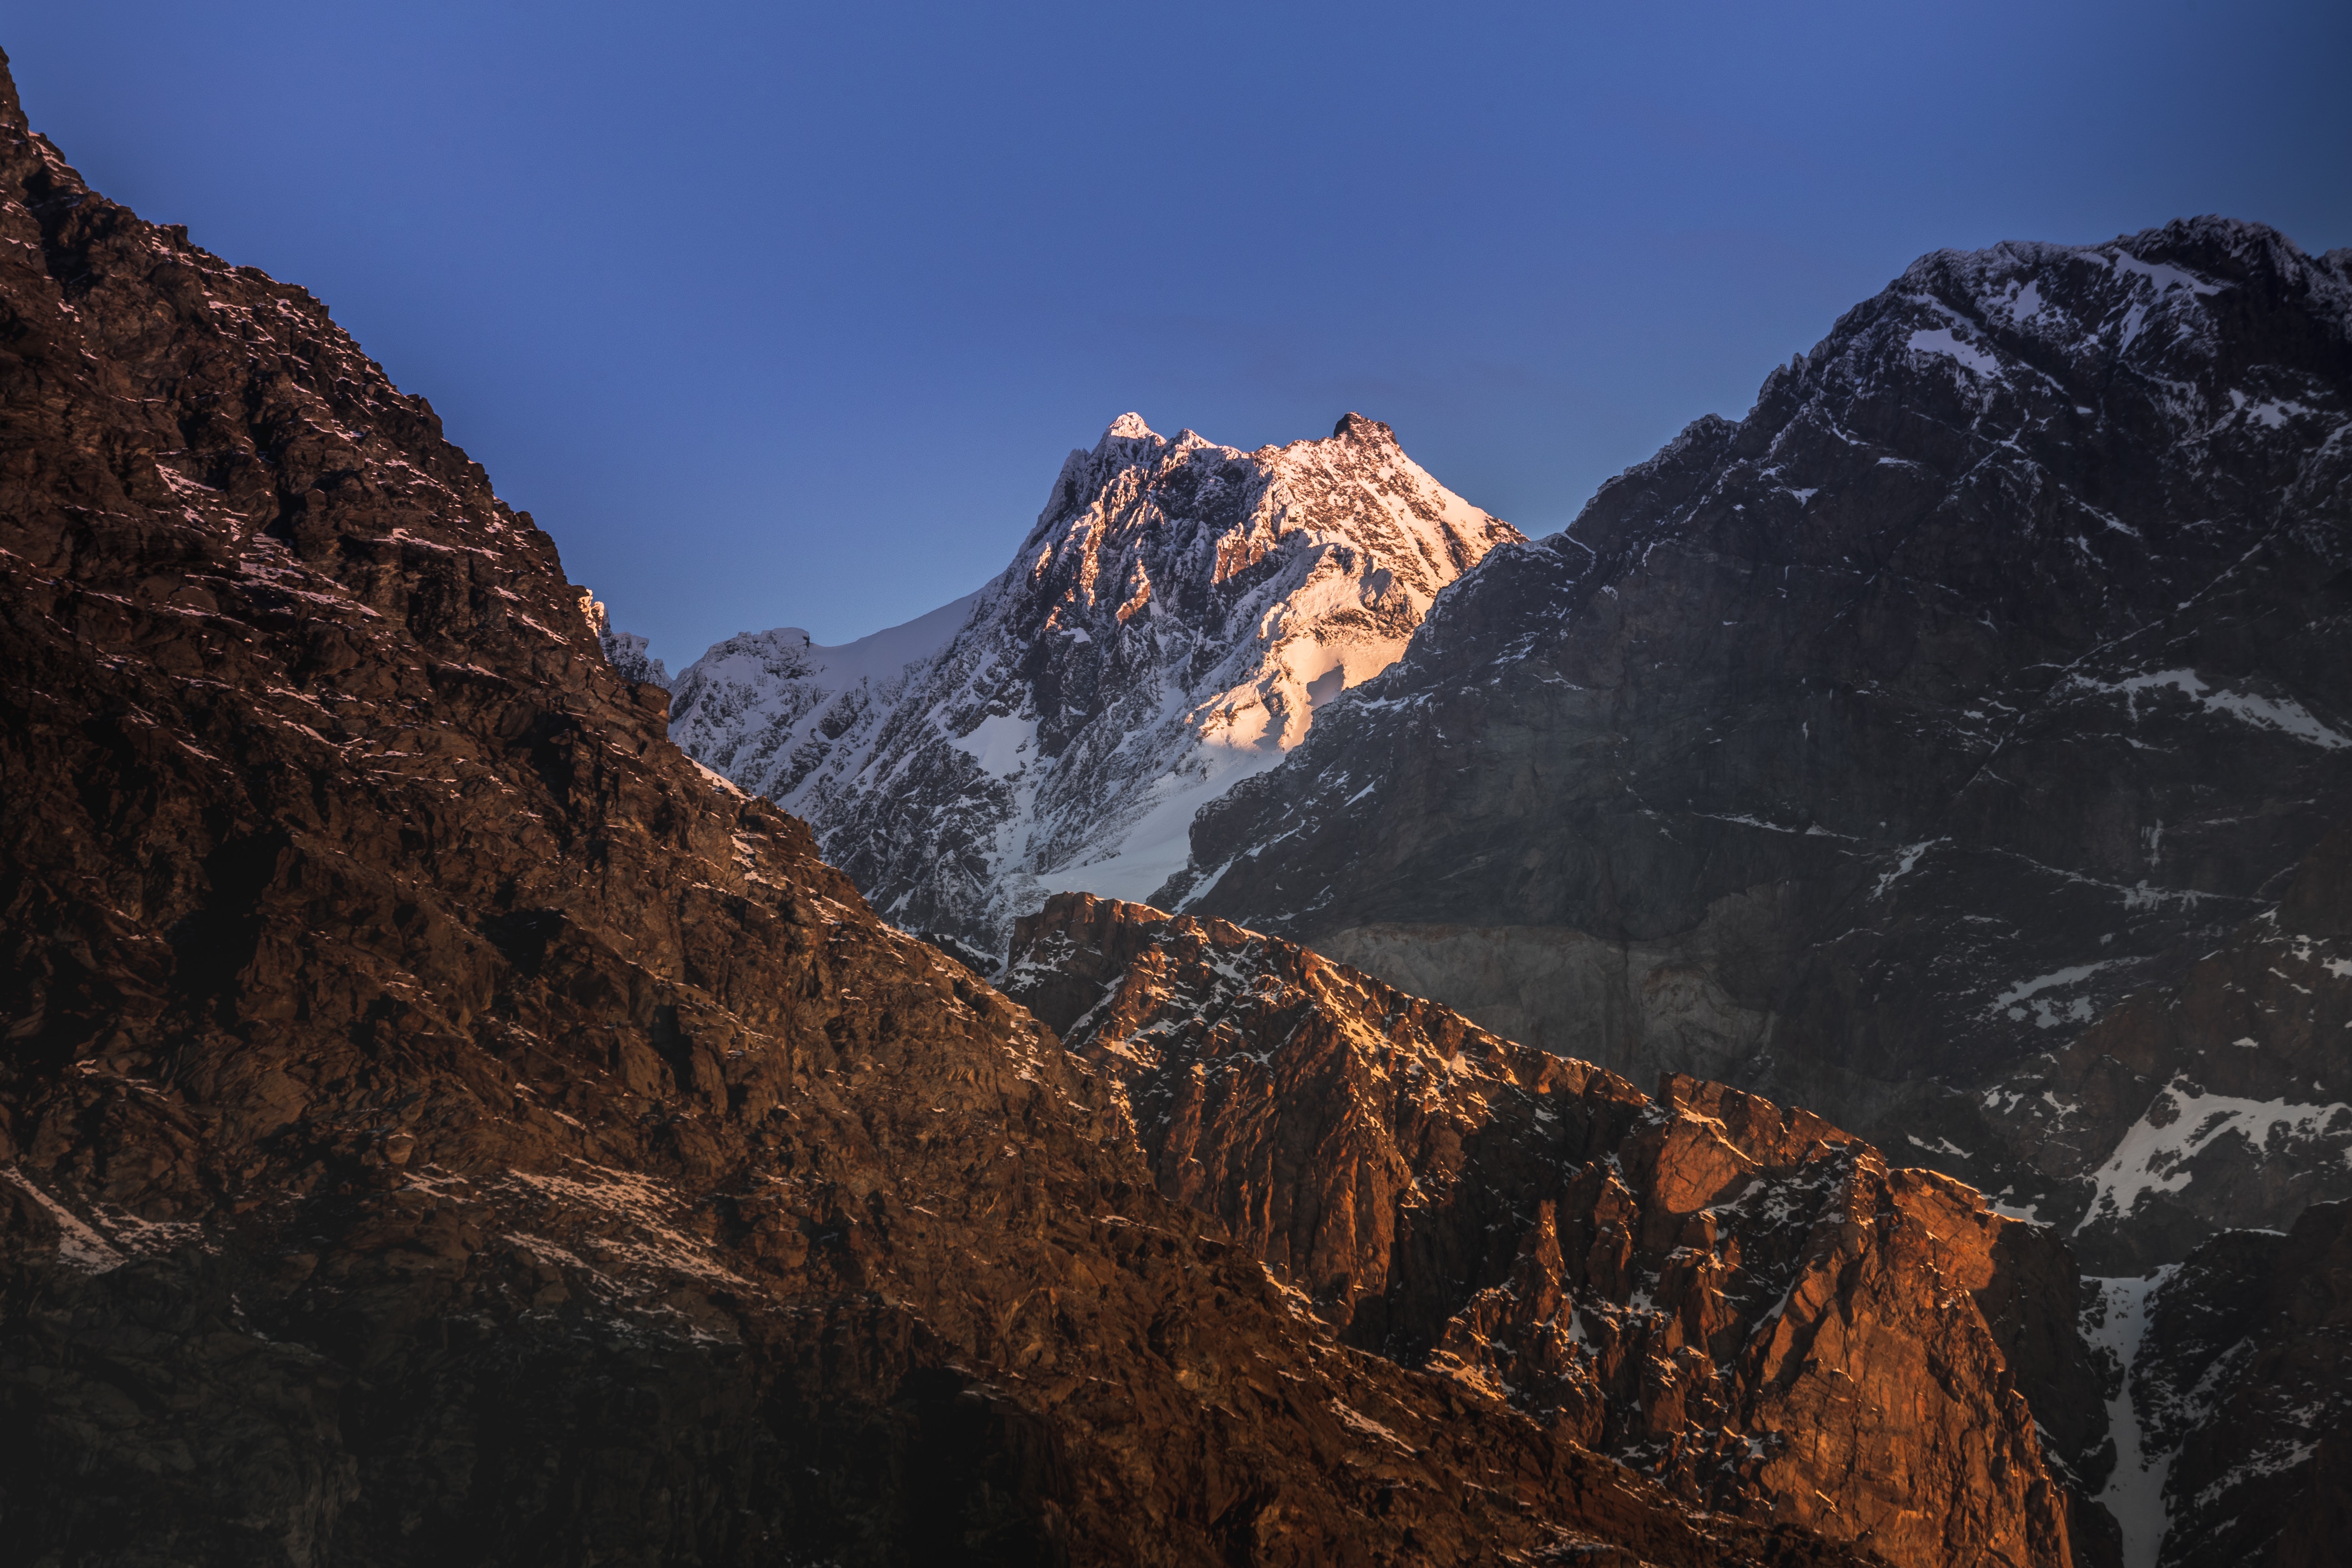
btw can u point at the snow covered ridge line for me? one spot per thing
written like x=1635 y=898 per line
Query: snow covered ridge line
x=1169 y=626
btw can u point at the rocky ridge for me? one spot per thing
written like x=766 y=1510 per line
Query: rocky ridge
x=438 y=1122
x=1169 y=626
x=1742 y=1300
x=1872 y=750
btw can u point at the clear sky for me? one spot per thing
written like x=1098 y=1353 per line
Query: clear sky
x=782 y=314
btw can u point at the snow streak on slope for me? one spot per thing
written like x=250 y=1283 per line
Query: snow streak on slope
x=1168 y=629
x=2135 y=1493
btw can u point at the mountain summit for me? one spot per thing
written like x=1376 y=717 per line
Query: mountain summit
x=1169 y=627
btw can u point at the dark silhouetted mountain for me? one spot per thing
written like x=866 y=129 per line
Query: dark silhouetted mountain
x=1868 y=751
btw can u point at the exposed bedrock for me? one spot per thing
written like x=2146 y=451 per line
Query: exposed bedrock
x=1739 y=1300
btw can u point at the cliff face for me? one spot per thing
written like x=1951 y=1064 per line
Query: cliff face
x=1867 y=751
x=1169 y=627
x=1742 y=1300
x=442 y=1123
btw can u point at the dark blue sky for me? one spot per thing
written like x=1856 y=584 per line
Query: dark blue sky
x=779 y=314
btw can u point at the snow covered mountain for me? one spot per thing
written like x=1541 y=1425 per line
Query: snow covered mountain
x=771 y=705
x=1170 y=627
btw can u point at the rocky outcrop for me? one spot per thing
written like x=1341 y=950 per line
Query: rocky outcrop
x=1168 y=629
x=1867 y=750
x=441 y=1123
x=1742 y=1300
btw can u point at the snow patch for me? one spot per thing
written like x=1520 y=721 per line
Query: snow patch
x=2164 y=275
x=2025 y=998
x=1000 y=744
x=1940 y=341
x=2154 y=1152
x=2135 y=1493
x=2284 y=715
x=1902 y=863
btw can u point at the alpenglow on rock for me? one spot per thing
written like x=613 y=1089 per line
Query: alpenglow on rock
x=1752 y=1307
x=1168 y=629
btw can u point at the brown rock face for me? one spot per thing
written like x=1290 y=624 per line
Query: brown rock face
x=441 y=1125
x=1739 y=1299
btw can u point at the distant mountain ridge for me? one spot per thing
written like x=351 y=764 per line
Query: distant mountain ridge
x=1169 y=626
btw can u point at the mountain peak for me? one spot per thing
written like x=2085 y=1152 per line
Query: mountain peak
x=1168 y=627
x=1354 y=425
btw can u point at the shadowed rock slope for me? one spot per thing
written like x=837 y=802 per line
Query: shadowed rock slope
x=439 y=1124
x=1742 y=1300
x=2221 y=1101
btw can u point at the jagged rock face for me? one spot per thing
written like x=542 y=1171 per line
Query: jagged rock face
x=1994 y=666
x=2223 y=1102
x=2240 y=1395
x=442 y=1124
x=1742 y=1300
x=1168 y=629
